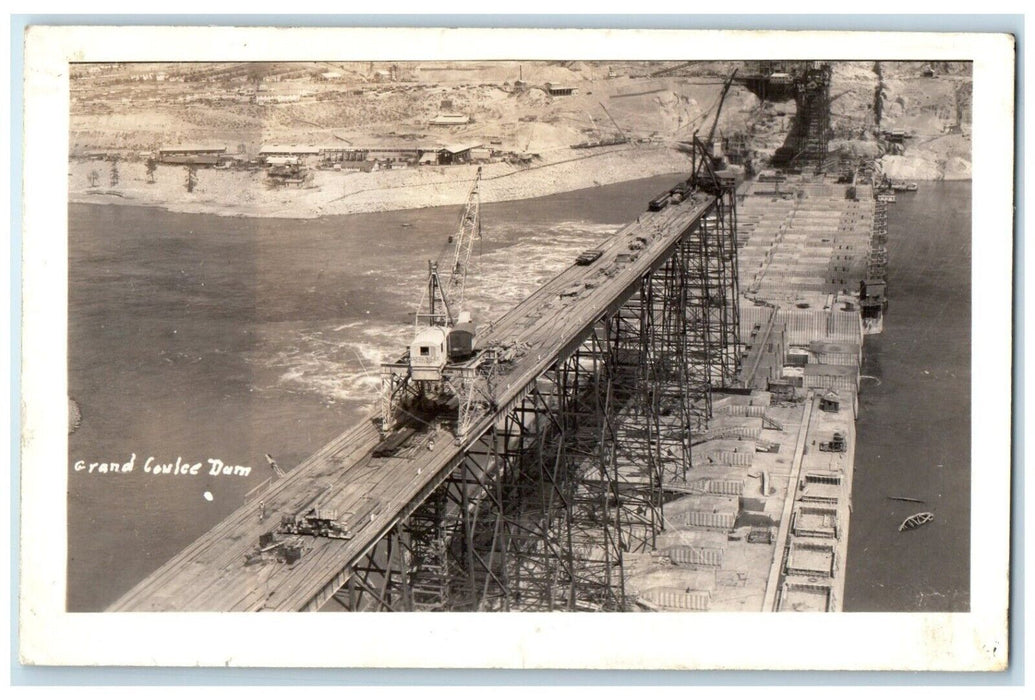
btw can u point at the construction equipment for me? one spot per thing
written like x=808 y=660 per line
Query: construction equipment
x=316 y=523
x=688 y=146
x=599 y=139
x=596 y=129
x=707 y=160
x=836 y=444
x=710 y=142
x=271 y=549
x=621 y=134
x=443 y=330
x=442 y=363
x=528 y=142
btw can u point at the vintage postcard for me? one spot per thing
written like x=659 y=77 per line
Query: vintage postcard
x=679 y=332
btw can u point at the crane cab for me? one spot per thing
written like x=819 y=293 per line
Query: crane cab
x=460 y=341
x=428 y=354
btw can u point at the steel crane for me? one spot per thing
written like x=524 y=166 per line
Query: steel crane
x=703 y=153
x=718 y=109
x=441 y=360
x=444 y=296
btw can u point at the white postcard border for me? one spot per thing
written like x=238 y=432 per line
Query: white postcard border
x=971 y=641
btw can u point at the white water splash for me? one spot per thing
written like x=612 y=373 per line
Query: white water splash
x=341 y=363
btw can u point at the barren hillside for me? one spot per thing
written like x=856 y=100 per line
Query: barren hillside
x=930 y=103
x=130 y=110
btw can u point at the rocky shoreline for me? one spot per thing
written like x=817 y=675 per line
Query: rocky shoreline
x=331 y=193
x=335 y=193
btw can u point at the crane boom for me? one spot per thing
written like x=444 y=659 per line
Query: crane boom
x=705 y=160
x=468 y=230
x=670 y=69
x=444 y=335
x=718 y=109
x=620 y=132
x=596 y=129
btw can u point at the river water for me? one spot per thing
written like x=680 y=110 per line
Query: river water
x=201 y=337
x=913 y=433
x=196 y=338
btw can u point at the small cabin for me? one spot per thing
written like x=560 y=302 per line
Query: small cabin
x=830 y=402
x=428 y=354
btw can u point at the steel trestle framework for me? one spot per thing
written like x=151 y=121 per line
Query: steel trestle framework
x=540 y=509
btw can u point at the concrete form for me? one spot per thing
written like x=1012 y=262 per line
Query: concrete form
x=803 y=250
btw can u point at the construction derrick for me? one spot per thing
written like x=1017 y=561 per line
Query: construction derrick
x=814 y=110
x=806 y=145
x=441 y=364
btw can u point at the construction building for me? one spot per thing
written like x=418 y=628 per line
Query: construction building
x=307 y=154
x=189 y=154
x=555 y=90
x=404 y=153
x=449 y=120
x=456 y=154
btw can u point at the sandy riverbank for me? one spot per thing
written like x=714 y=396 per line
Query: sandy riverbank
x=244 y=193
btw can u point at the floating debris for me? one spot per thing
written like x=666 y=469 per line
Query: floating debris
x=916 y=520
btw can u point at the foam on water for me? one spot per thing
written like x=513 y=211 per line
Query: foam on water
x=341 y=363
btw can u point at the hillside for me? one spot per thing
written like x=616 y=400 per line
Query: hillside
x=932 y=105
x=130 y=110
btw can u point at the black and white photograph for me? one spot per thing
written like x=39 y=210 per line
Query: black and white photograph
x=469 y=333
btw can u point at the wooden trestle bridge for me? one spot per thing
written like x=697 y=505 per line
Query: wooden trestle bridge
x=576 y=420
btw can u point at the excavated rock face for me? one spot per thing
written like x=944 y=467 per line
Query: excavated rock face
x=857 y=148
x=930 y=102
